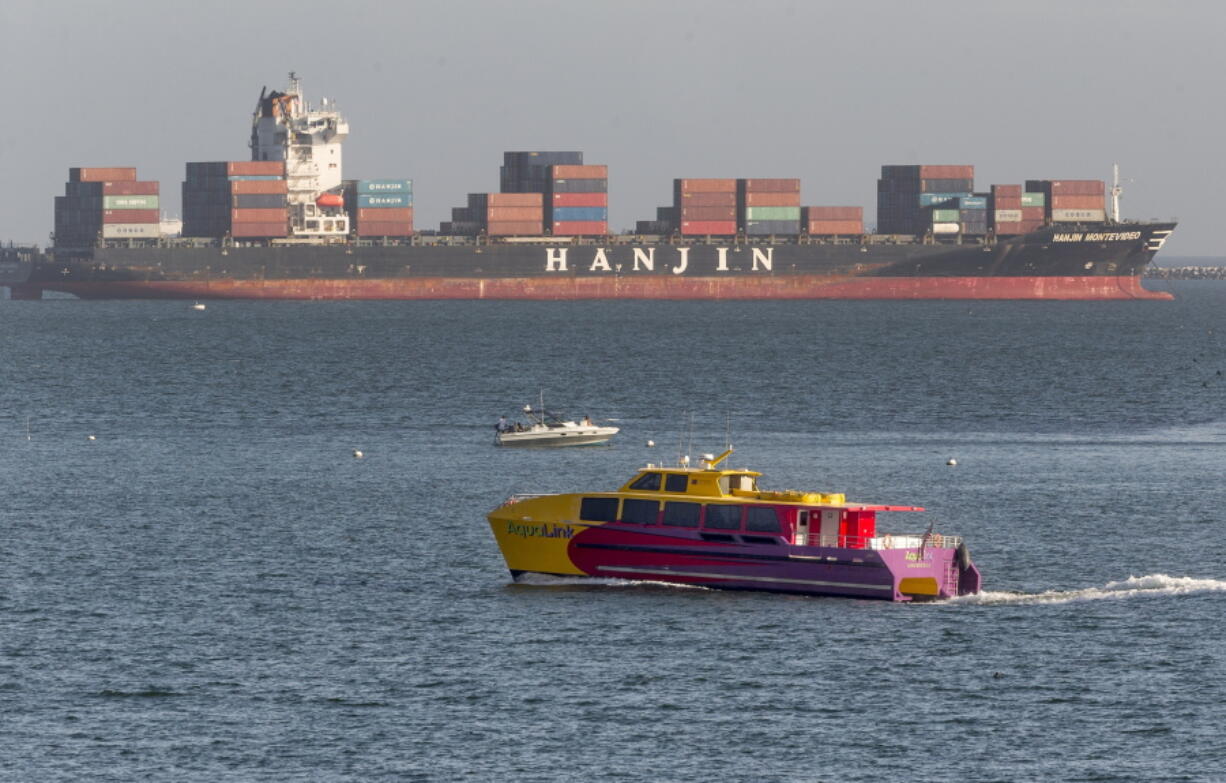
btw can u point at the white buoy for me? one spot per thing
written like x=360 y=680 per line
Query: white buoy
x=357 y=454
x=198 y=306
x=91 y=437
x=951 y=461
x=651 y=444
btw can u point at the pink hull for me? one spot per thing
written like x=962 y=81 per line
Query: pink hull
x=591 y=287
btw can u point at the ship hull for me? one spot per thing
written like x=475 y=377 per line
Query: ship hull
x=1072 y=262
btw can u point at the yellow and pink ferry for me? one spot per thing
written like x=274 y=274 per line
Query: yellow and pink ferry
x=715 y=527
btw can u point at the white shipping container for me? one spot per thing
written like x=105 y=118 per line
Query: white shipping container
x=131 y=230
x=946 y=228
x=1008 y=216
x=1078 y=215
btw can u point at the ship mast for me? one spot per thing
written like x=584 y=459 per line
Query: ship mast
x=1116 y=191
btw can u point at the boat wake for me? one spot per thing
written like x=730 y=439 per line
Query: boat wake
x=544 y=580
x=1154 y=585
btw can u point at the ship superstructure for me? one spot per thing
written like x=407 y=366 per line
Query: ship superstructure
x=309 y=139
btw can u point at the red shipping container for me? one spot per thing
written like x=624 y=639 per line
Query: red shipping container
x=708 y=213
x=770 y=185
x=705 y=185
x=500 y=214
x=581 y=199
x=515 y=199
x=258 y=215
x=147 y=188
x=130 y=216
x=111 y=174
x=385 y=229
x=578 y=172
x=1078 y=187
x=1033 y=214
x=1008 y=229
x=580 y=227
x=835 y=227
x=833 y=213
x=1076 y=202
x=1011 y=191
x=385 y=215
x=701 y=227
x=265 y=187
x=515 y=228
x=254 y=230
x=708 y=199
x=772 y=199
x=255 y=168
x=1006 y=202
x=947 y=172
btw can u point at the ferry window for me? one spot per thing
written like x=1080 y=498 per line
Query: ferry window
x=681 y=514
x=723 y=517
x=762 y=520
x=676 y=482
x=598 y=509
x=647 y=481
x=640 y=512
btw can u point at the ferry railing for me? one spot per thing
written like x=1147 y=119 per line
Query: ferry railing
x=885 y=541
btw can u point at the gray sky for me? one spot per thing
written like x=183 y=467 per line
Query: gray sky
x=824 y=91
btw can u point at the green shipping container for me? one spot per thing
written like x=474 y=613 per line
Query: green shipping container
x=945 y=216
x=130 y=202
x=772 y=213
x=1033 y=200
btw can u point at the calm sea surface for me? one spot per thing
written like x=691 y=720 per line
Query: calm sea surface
x=215 y=589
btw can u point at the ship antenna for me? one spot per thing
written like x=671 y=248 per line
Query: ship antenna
x=1116 y=191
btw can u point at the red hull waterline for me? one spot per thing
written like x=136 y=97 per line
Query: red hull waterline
x=571 y=288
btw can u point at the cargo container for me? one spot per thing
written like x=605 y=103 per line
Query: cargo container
x=932 y=199
x=772 y=227
x=832 y=213
x=384 y=215
x=580 y=214
x=258 y=215
x=378 y=186
x=706 y=199
x=1077 y=202
x=772 y=199
x=580 y=200
x=580 y=228
x=100 y=189
x=768 y=185
x=259 y=230
x=394 y=200
x=130 y=202
x=946 y=228
x=704 y=186
x=108 y=174
x=1034 y=199
x=509 y=228
x=772 y=213
x=483 y=200
x=578 y=186
x=131 y=230
x=945 y=216
x=517 y=214
x=1008 y=216
x=1078 y=215
x=258 y=201
x=261 y=187
x=130 y=216
x=834 y=227
x=708 y=227
x=708 y=213
x=565 y=171
x=1008 y=191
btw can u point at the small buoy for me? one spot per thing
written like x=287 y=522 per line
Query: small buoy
x=951 y=461
x=651 y=443
x=357 y=454
x=91 y=437
x=198 y=306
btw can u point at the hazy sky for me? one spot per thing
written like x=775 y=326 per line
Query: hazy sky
x=824 y=91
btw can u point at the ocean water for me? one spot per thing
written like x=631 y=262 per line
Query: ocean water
x=214 y=588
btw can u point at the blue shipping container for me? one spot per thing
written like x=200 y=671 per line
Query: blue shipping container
x=368 y=200
x=932 y=199
x=973 y=202
x=385 y=186
x=568 y=214
x=768 y=227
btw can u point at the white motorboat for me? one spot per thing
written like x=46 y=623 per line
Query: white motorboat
x=546 y=428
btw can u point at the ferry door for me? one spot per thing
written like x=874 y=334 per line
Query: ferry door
x=829 y=535
x=801 y=536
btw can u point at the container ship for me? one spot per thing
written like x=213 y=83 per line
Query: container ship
x=286 y=224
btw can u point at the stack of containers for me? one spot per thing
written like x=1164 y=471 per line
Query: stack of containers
x=907 y=196
x=508 y=214
x=380 y=207
x=1072 y=200
x=577 y=200
x=106 y=201
x=973 y=215
x=528 y=172
x=704 y=207
x=769 y=206
x=832 y=221
x=245 y=199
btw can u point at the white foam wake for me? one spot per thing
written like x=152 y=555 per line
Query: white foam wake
x=1153 y=585
x=545 y=580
